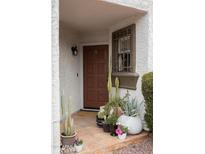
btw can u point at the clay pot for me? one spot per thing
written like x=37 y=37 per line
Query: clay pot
x=68 y=140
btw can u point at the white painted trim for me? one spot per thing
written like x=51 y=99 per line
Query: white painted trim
x=93 y=110
x=55 y=140
x=94 y=43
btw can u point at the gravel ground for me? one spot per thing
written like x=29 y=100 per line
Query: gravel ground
x=144 y=147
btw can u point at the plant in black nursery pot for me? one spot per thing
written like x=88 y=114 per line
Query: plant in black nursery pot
x=111 y=110
x=100 y=117
x=112 y=120
x=106 y=126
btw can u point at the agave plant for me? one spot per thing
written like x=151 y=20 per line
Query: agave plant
x=69 y=129
x=132 y=107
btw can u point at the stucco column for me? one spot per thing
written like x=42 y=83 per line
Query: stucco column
x=55 y=79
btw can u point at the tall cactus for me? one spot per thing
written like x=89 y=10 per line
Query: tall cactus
x=117 y=84
x=109 y=83
x=66 y=116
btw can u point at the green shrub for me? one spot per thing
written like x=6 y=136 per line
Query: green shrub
x=112 y=119
x=147 y=91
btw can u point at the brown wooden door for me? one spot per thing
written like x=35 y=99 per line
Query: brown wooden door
x=95 y=60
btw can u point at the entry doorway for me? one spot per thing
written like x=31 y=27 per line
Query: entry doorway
x=95 y=62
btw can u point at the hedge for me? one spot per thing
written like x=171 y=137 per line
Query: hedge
x=147 y=91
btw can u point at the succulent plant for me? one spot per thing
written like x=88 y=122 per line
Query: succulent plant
x=101 y=113
x=69 y=129
x=109 y=83
x=131 y=107
x=78 y=142
x=117 y=84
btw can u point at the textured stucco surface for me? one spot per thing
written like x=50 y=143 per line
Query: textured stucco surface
x=55 y=79
x=69 y=66
x=142 y=37
x=71 y=84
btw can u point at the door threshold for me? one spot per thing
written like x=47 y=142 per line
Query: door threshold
x=89 y=110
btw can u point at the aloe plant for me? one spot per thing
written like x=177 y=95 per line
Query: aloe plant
x=69 y=129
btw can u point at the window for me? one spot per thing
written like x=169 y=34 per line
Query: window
x=123 y=53
x=124 y=57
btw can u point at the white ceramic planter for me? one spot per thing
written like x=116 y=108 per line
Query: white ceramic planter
x=123 y=136
x=78 y=148
x=134 y=124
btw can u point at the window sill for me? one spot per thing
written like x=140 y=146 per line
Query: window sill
x=125 y=74
x=127 y=80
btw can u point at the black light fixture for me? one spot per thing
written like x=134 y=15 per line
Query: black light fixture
x=74 y=50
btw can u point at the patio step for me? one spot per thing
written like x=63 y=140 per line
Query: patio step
x=122 y=144
x=109 y=146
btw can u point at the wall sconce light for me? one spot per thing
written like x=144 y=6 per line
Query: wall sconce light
x=74 y=50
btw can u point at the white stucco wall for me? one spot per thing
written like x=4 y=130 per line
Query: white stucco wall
x=141 y=46
x=69 y=66
x=55 y=143
x=142 y=50
x=94 y=37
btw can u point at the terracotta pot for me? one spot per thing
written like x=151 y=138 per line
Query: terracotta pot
x=68 y=140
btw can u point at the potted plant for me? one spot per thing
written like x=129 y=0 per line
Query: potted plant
x=78 y=145
x=131 y=117
x=113 y=106
x=105 y=125
x=112 y=120
x=121 y=131
x=100 y=117
x=68 y=135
